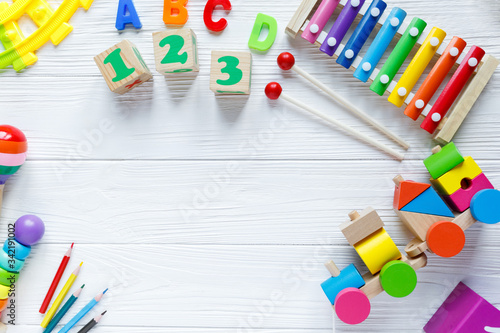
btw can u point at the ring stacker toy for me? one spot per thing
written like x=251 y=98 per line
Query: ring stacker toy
x=286 y=61
x=13 y=147
x=274 y=91
x=470 y=72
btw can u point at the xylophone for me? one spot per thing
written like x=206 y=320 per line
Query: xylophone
x=472 y=71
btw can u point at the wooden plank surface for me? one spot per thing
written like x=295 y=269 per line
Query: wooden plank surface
x=216 y=214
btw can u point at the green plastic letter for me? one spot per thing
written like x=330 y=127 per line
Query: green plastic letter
x=261 y=21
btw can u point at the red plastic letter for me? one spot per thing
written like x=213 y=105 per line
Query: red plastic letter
x=207 y=14
x=175 y=12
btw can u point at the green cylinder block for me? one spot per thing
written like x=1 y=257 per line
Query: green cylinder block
x=443 y=161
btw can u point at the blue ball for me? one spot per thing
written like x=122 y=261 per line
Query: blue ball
x=20 y=251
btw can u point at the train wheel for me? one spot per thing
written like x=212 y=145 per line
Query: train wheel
x=446 y=239
x=352 y=306
x=398 y=278
x=484 y=206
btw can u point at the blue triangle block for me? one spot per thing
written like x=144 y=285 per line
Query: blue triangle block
x=429 y=202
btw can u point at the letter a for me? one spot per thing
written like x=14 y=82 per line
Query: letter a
x=127 y=14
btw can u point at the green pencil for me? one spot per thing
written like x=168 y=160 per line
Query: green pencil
x=53 y=323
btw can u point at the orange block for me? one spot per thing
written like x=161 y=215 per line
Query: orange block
x=175 y=12
x=406 y=192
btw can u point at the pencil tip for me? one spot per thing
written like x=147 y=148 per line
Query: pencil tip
x=81 y=264
x=83 y=285
x=105 y=291
x=102 y=314
x=72 y=245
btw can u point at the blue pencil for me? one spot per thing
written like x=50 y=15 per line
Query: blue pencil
x=82 y=313
x=69 y=303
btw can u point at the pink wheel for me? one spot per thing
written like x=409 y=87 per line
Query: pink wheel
x=352 y=306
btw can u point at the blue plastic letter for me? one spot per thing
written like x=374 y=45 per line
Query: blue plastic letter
x=127 y=14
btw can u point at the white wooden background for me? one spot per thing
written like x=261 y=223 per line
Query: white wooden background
x=215 y=214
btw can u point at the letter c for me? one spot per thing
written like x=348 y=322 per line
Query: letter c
x=207 y=14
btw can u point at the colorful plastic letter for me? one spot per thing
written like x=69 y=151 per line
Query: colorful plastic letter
x=261 y=21
x=207 y=15
x=175 y=12
x=127 y=14
x=380 y=44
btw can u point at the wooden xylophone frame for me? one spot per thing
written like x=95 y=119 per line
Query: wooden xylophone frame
x=462 y=106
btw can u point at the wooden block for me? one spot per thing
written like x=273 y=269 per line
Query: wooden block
x=406 y=191
x=377 y=250
x=348 y=277
x=372 y=285
x=464 y=104
x=429 y=202
x=454 y=179
x=361 y=225
x=460 y=200
x=231 y=72
x=465 y=220
x=123 y=67
x=443 y=160
x=418 y=223
x=176 y=51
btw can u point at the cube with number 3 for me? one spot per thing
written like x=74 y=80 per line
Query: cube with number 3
x=231 y=73
x=122 y=67
x=176 y=51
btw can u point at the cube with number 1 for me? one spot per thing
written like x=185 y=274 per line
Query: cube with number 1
x=231 y=73
x=176 y=51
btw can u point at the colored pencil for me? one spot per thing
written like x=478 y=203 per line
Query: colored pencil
x=60 y=297
x=56 y=280
x=69 y=303
x=82 y=313
x=90 y=325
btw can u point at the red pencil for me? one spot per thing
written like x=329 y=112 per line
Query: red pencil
x=56 y=280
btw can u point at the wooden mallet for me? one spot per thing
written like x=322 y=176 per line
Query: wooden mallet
x=286 y=61
x=274 y=91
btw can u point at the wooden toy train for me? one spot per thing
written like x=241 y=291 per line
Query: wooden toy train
x=461 y=183
x=457 y=97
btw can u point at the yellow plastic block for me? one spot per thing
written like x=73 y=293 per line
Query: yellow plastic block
x=40 y=12
x=377 y=250
x=457 y=177
x=417 y=66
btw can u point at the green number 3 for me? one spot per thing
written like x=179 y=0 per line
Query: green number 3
x=176 y=44
x=235 y=74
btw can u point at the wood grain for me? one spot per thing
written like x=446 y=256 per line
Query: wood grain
x=197 y=211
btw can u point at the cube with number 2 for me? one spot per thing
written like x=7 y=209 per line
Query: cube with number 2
x=176 y=51
x=231 y=72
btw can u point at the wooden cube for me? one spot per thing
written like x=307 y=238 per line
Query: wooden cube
x=360 y=226
x=231 y=72
x=123 y=67
x=176 y=51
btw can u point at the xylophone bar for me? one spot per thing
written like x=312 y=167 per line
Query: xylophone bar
x=453 y=89
x=380 y=44
x=398 y=56
x=319 y=20
x=341 y=26
x=417 y=66
x=435 y=78
x=361 y=33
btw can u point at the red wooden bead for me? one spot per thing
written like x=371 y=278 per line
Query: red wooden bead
x=273 y=90
x=207 y=15
x=11 y=133
x=286 y=60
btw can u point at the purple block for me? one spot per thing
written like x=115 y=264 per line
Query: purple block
x=341 y=25
x=464 y=311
